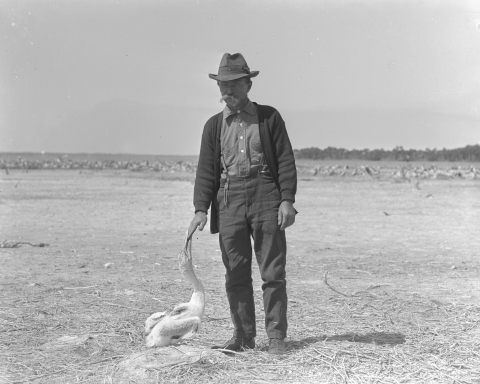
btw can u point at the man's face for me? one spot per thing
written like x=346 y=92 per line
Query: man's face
x=235 y=92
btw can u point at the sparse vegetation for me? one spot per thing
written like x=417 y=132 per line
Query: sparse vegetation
x=401 y=304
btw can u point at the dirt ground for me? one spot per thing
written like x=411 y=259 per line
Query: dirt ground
x=406 y=258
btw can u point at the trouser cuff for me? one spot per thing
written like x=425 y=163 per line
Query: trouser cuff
x=242 y=335
x=276 y=335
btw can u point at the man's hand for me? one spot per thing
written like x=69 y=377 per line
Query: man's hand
x=286 y=214
x=199 y=221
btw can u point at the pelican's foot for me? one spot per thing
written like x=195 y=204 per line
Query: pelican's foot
x=237 y=344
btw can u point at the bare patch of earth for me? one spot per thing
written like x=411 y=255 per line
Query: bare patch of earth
x=405 y=259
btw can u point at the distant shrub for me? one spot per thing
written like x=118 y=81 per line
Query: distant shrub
x=468 y=153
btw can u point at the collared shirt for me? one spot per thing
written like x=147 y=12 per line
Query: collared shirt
x=240 y=141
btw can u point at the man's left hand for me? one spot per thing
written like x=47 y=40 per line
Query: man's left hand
x=286 y=214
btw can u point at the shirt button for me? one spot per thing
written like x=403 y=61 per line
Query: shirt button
x=241 y=137
x=238 y=111
x=241 y=151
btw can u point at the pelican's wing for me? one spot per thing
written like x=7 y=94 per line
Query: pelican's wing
x=153 y=320
x=193 y=329
x=179 y=309
x=178 y=329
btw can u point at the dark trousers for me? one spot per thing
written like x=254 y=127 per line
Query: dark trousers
x=252 y=212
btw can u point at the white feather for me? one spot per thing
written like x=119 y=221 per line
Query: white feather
x=167 y=328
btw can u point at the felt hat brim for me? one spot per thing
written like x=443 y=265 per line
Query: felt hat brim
x=232 y=76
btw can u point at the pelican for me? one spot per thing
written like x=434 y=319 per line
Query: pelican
x=167 y=328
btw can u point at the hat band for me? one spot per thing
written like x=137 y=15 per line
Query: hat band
x=234 y=69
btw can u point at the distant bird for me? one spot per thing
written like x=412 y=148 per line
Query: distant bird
x=369 y=171
x=167 y=328
x=386 y=213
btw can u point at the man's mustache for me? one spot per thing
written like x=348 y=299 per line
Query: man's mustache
x=224 y=97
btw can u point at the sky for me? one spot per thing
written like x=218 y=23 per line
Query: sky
x=129 y=76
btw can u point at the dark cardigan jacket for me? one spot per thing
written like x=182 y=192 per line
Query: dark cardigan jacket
x=276 y=148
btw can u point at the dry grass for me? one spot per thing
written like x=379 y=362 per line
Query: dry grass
x=389 y=312
x=395 y=341
x=378 y=338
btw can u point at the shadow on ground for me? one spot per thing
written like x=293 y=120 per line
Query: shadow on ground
x=379 y=338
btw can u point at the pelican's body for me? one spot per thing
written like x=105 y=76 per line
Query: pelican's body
x=166 y=328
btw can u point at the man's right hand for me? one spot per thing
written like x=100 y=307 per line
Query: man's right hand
x=198 y=221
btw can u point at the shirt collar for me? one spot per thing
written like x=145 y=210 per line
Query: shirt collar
x=248 y=108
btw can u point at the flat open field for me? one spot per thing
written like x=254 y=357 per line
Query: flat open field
x=403 y=263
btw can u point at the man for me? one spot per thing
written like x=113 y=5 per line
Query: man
x=246 y=174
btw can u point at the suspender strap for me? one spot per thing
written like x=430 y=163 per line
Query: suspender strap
x=227 y=181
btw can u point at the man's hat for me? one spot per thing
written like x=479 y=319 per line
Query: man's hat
x=233 y=67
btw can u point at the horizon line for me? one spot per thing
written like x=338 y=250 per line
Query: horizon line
x=196 y=155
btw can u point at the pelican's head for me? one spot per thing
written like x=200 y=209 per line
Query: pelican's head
x=185 y=255
x=184 y=259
